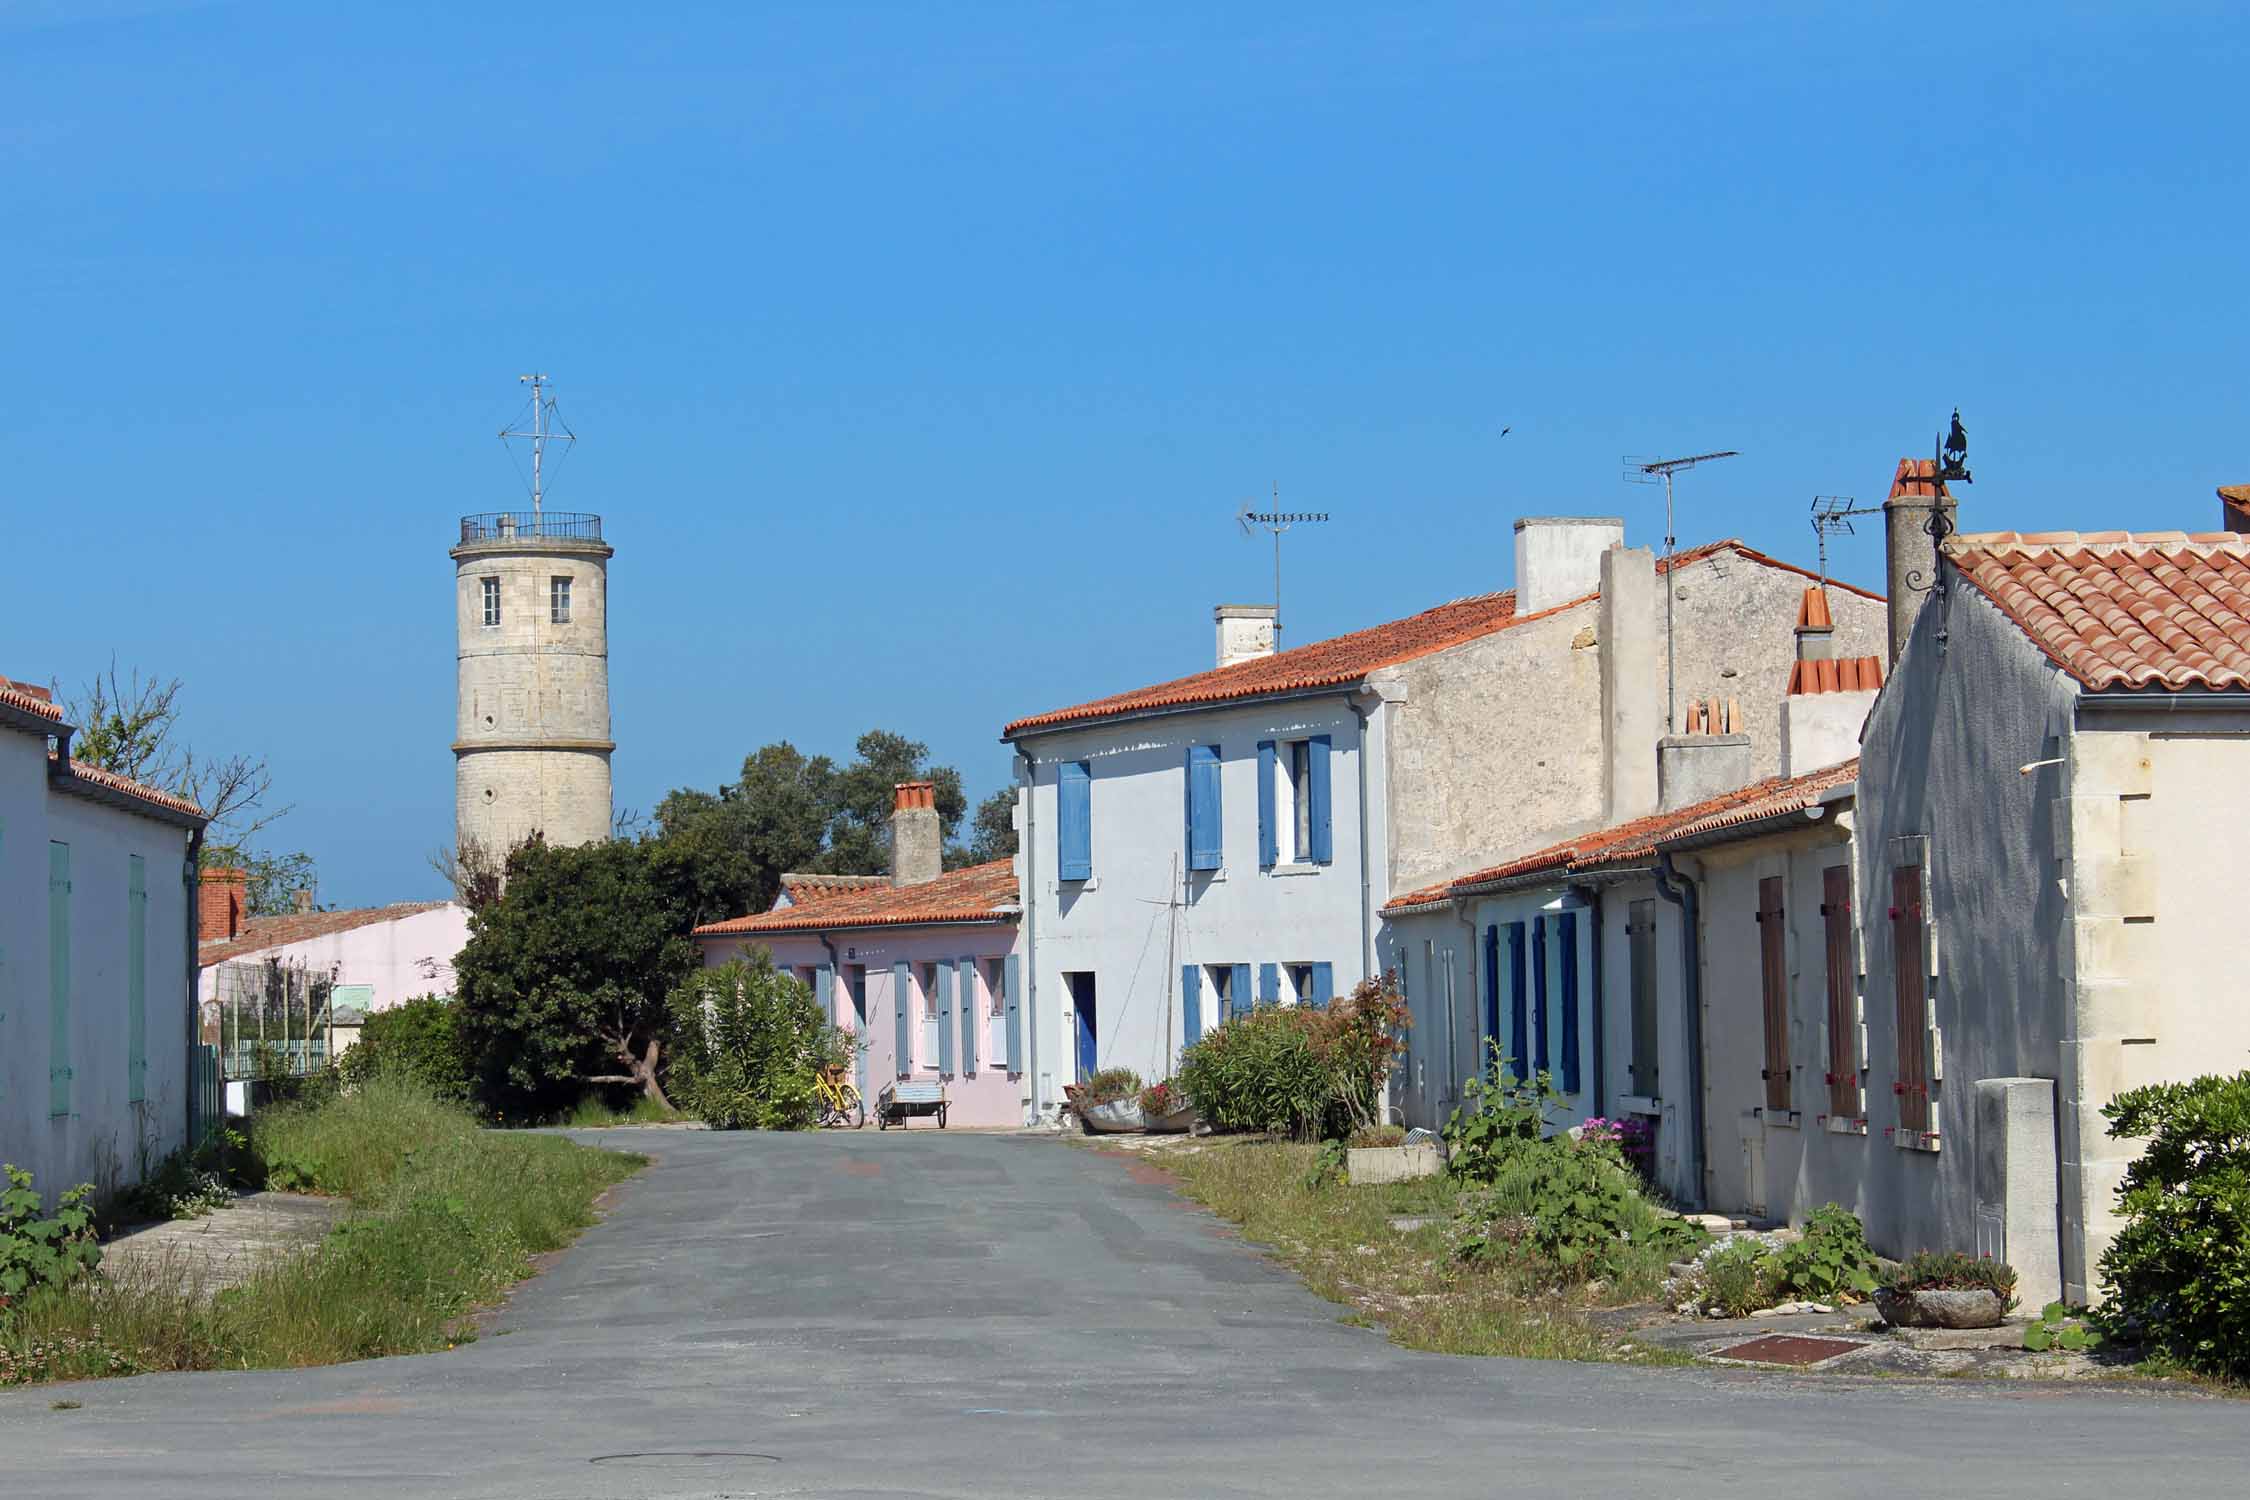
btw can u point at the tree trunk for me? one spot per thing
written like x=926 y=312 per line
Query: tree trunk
x=640 y=1071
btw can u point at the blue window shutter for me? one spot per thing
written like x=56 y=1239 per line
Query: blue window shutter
x=58 y=978
x=824 y=991
x=136 y=980
x=1205 y=839
x=1323 y=983
x=1519 y=1017
x=1191 y=1004
x=1269 y=984
x=972 y=1014
x=945 y=1016
x=1239 y=998
x=1322 y=818
x=1566 y=927
x=1074 y=821
x=1011 y=981
x=1492 y=1034
x=902 y=999
x=1269 y=836
x=1541 y=1057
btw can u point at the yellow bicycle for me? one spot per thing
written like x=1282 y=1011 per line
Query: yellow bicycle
x=841 y=1106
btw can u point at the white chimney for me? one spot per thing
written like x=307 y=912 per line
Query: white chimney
x=1246 y=632
x=1559 y=558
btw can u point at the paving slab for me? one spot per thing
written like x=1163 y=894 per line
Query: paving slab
x=221 y=1249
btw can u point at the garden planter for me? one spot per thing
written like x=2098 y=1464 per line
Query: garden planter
x=1939 y=1309
x=1368 y=1166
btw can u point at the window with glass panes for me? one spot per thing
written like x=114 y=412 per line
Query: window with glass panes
x=558 y=600
x=491 y=601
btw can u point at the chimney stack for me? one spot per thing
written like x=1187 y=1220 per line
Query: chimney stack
x=1709 y=755
x=917 y=846
x=1629 y=631
x=1916 y=492
x=1246 y=632
x=1828 y=698
x=220 y=896
x=1559 y=558
x=2234 y=507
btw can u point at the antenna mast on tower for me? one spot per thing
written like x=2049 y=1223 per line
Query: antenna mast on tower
x=543 y=409
x=1648 y=472
x=1276 y=521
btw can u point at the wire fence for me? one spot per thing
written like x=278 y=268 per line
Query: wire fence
x=270 y=1019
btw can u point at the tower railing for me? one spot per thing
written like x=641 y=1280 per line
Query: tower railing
x=517 y=525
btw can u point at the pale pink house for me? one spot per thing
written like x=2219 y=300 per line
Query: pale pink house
x=923 y=966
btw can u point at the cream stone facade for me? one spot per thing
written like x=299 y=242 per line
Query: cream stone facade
x=532 y=738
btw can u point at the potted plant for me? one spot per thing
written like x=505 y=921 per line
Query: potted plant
x=1947 y=1289
x=1165 y=1107
x=1380 y=1153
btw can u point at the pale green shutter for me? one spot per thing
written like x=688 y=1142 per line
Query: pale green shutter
x=58 y=979
x=136 y=981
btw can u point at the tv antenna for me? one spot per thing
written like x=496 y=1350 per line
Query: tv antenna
x=1276 y=521
x=1832 y=516
x=547 y=426
x=1649 y=471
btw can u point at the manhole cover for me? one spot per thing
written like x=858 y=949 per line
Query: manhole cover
x=1788 y=1349
x=683 y=1458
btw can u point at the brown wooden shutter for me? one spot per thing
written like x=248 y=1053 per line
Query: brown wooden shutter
x=1774 y=971
x=1640 y=926
x=1908 y=965
x=1843 y=1017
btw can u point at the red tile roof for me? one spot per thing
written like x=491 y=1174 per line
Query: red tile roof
x=2123 y=610
x=29 y=699
x=111 y=781
x=1347 y=659
x=980 y=893
x=1631 y=844
x=1848 y=674
x=802 y=889
x=261 y=933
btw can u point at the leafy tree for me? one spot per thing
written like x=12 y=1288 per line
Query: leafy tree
x=992 y=833
x=565 y=977
x=791 y=811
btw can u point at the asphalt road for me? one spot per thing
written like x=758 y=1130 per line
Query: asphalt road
x=977 y=1315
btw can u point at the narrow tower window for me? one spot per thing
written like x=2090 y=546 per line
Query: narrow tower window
x=491 y=601
x=558 y=600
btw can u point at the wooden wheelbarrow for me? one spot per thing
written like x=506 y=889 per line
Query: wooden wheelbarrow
x=898 y=1101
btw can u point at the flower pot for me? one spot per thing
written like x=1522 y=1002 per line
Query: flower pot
x=1940 y=1309
x=1367 y=1166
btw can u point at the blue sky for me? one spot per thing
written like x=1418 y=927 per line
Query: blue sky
x=921 y=353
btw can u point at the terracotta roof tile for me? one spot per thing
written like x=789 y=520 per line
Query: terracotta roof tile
x=2121 y=610
x=29 y=699
x=1849 y=674
x=261 y=933
x=803 y=889
x=1916 y=478
x=1346 y=659
x=1812 y=612
x=96 y=776
x=980 y=893
x=1627 y=844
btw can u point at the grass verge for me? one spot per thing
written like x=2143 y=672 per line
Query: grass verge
x=595 y=1112
x=1340 y=1240
x=445 y=1217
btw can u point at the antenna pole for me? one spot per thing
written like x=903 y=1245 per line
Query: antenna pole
x=1642 y=472
x=542 y=408
x=1276 y=521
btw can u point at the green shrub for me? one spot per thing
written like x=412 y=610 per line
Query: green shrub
x=1110 y=1085
x=418 y=1042
x=1497 y=1120
x=40 y=1250
x=1830 y=1264
x=748 y=1046
x=1259 y=1071
x=1301 y=1070
x=1954 y=1271
x=1736 y=1279
x=2178 y=1273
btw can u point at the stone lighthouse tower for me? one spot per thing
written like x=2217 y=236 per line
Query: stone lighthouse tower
x=531 y=745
